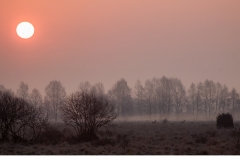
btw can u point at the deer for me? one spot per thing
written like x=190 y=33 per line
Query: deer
x=154 y=121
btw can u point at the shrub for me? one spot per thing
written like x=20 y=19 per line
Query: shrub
x=86 y=112
x=225 y=120
x=19 y=120
x=165 y=121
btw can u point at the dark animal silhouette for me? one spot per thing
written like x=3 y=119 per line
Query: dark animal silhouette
x=154 y=121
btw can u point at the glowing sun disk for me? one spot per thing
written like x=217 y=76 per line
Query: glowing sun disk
x=25 y=30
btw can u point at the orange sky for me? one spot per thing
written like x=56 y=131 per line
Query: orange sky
x=103 y=41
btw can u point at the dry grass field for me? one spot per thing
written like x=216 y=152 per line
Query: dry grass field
x=142 y=138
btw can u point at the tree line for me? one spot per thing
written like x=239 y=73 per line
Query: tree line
x=156 y=98
x=25 y=117
x=168 y=96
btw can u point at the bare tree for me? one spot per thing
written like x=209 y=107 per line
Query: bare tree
x=209 y=92
x=36 y=99
x=167 y=95
x=234 y=96
x=179 y=96
x=55 y=94
x=192 y=95
x=121 y=95
x=156 y=97
x=217 y=97
x=18 y=119
x=22 y=92
x=224 y=96
x=47 y=107
x=160 y=95
x=2 y=88
x=164 y=96
x=149 y=96
x=85 y=87
x=97 y=88
x=139 y=94
x=86 y=112
x=199 y=98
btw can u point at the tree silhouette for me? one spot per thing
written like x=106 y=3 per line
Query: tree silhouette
x=86 y=112
x=121 y=95
x=55 y=94
x=18 y=119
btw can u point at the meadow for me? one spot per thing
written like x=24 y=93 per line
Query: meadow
x=139 y=138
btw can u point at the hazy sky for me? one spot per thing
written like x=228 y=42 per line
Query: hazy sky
x=105 y=40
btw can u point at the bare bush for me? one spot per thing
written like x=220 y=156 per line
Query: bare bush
x=86 y=112
x=19 y=121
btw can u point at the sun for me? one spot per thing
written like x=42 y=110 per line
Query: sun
x=25 y=30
